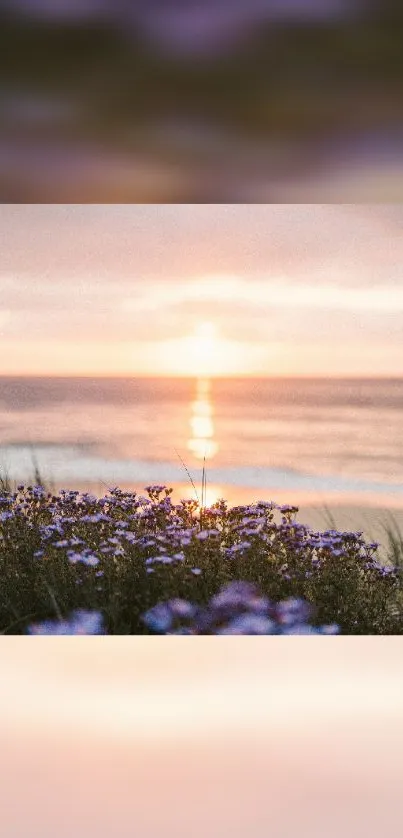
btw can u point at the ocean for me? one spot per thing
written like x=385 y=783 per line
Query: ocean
x=316 y=441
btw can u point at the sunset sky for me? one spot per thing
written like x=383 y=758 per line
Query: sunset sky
x=201 y=289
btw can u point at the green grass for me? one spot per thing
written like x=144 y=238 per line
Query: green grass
x=394 y=543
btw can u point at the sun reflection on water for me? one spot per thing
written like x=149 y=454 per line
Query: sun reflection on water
x=202 y=443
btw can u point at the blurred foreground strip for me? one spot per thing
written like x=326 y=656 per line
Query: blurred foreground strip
x=175 y=101
x=54 y=172
x=80 y=622
x=238 y=608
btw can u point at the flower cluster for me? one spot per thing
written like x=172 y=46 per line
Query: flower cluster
x=239 y=608
x=127 y=554
x=80 y=622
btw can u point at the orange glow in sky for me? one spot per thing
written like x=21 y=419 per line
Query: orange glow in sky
x=204 y=353
x=205 y=350
x=189 y=290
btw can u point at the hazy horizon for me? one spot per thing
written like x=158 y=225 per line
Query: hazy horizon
x=232 y=377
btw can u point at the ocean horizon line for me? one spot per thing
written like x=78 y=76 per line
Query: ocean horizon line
x=227 y=377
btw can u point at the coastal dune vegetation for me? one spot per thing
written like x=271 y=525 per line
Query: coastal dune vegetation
x=129 y=563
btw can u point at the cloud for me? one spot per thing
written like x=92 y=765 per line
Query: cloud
x=246 y=310
x=4 y=317
x=128 y=243
x=268 y=292
x=131 y=275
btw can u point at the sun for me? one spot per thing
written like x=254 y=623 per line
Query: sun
x=206 y=330
x=204 y=348
x=202 y=353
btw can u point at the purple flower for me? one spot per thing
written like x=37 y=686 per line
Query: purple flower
x=234 y=595
x=331 y=629
x=386 y=571
x=292 y=612
x=89 y=498
x=238 y=548
x=159 y=618
x=80 y=622
x=159 y=560
x=95 y=519
x=249 y=624
x=86 y=558
x=248 y=531
x=182 y=608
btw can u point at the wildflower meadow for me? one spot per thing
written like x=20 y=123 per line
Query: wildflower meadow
x=125 y=563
